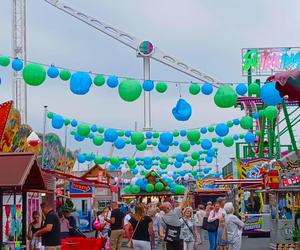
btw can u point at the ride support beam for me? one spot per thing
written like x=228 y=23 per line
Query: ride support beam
x=262 y=136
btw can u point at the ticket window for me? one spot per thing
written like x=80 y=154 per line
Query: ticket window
x=253 y=203
x=284 y=206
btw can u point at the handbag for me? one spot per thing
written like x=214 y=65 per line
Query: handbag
x=130 y=243
x=210 y=226
x=172 y=233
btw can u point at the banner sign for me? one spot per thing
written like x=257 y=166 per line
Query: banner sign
x=267 y=61
x=291 y=181
x=252 y=222
x=76 y=188
x=251 y=168
x=4 y=113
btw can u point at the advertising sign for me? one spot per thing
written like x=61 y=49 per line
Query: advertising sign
x=252 y=222
x=81 y=190
x=251 y=168
x=267 y=61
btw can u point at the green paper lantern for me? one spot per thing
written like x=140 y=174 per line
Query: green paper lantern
x=132 y=166
x=164 y=159
x=154 y=143
x=230 y=124
x=193 y=163
x=142 y=146
x=241 y=136
x=193 y=135
x=114 y=161
x=194 y=89
x=155 y=135
x=127 y=190
x=176 y=133
x=137 y=137
x=184 y=146
x=130 y=90
x=121 y=133
x=211 y=129
x=167 y=188
x=149 y=188
x=194 y=172
x=161 y=87
x=50 y=115
x=225 y=97
x=99 y=80
x=100 y=130
x=195 y=155
x=73 y=132
x=214 y=140
x=98 y=140
x=179 y=189
x=163 y=166
x=271 y=112
x=159 y=186
x=99 y=160
x=4 y=61
x=83 y=130
x=135 y=189
x=228 y=141
x=258 y=133
x=34 y=74
x=67 y=121
x=261 y=113
x=254 y=89
x=246 y=122
x=65 y=75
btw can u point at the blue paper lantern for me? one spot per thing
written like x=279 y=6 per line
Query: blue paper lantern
x=166 y=138
x=211 y=152
x=182 y=111
x=206 y=144
x=175 y=143
x=222 y=129
x=147 y=160
x=74 y=123
x=270 y=95
x=52 y=72
x=236 y=122
x=249 y=137
x=203 y=130
x=241 y=89
x=112 y=81
x=110 y=135
x=183 y=133
x=148 y=135
x=255 y=115
x=119 y=143
x=134 y=171
x=91 y=135
x=80 y=83
x=208 y=159
x=81 y=158
x=235 y=137
x=79 y=138
x=148 y=85
x=207 y=89
x=94 y=128
x=127 y=133
x=180 y=157
x=149 y=142
x=17 y=64
x=148 y=167
x=163 y=148
x=177 y=164
x=57 y=121
x=219 y=140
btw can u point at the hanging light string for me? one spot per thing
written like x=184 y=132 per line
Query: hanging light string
x=123 y=76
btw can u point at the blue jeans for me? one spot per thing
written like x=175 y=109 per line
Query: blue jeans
x=213 y=240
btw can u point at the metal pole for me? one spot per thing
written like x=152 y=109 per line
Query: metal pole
x=1 y=216
x=147 y=101
x=24 y=217
x=44 y=134
x=65 y=159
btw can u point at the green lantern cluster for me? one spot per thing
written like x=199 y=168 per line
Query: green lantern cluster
x=225 y=97
x=130 y=90
x=179 y=189
x=34 y=74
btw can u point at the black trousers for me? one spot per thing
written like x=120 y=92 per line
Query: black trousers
x=177 y=245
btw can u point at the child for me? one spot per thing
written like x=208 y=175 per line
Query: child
x=222 y=234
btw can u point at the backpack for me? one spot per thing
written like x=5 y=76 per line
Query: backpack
x=97 y=225
x=172 y=233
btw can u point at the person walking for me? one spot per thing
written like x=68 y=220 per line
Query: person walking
x=154 y=215
x=116 y=222
x=222 y=242
x=234 y=228
x=200 y=214
x=171 y=224
x=142 y=229
x=50 y=231
x=188 y=229
x=34 y=226
x=214 y=215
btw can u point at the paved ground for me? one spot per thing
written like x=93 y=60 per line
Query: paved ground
x=248 y=244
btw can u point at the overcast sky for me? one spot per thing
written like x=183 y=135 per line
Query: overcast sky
x=205 y=34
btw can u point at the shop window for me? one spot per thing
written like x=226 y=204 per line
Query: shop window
x=84 y=207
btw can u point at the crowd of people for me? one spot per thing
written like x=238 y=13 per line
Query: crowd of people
x=150 y=226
